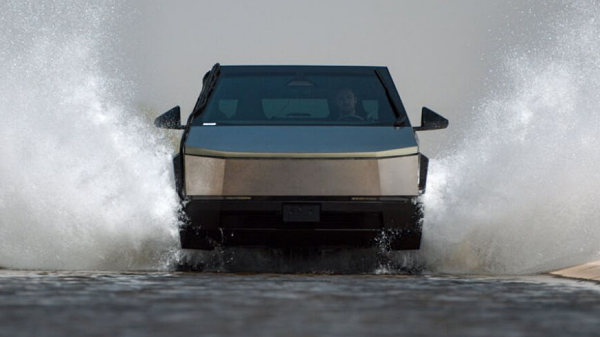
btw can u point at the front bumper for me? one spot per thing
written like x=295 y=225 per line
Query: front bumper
x=302 y=223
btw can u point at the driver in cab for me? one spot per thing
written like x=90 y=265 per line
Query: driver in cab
x=345 y=105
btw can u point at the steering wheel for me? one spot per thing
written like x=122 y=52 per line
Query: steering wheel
x=350 y=118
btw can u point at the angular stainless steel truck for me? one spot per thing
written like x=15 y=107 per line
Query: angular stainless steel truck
x=300 y=157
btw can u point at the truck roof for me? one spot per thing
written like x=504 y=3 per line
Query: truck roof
x=301 y=68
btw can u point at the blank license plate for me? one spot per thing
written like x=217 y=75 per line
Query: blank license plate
x=301 y=212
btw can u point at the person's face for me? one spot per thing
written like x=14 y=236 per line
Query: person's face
x=345 y=101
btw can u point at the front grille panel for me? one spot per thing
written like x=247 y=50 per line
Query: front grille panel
x=374 y=177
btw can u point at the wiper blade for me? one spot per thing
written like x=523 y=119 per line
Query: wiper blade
x=399 y=120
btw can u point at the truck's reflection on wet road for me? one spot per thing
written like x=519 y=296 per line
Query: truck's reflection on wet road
x=191 y=304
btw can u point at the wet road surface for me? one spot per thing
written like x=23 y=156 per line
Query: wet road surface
x=218 y=304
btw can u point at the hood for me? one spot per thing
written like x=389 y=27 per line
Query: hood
x=300 y=141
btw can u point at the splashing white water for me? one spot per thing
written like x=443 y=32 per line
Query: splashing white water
x=84 y=183
x=521 y=191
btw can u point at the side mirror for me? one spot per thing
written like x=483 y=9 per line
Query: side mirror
x=430 y=120
x=170 y=119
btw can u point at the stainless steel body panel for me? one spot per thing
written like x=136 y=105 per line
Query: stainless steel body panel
x=207 y=176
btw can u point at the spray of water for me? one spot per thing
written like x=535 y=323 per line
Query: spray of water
x=87 y=184
x=84 y=183
x=520 y=192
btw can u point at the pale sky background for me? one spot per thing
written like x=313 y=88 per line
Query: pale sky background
x=440 y=52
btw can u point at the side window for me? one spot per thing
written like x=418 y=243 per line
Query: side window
x=228 y=107
x=371 y=107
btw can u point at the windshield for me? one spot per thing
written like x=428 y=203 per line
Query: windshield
x=298 y=99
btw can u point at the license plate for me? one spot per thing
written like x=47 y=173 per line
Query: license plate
x=301 y=212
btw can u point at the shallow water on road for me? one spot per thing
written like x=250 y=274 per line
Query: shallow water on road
x=215 y=304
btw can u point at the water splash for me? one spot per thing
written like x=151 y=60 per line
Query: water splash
x=520 y=193
x=87 y=184
x=84 y=182
x=334 y=261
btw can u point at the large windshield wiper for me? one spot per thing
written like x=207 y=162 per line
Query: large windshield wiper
x=399 y=119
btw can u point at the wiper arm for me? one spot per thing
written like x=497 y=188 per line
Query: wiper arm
x=399 y=120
